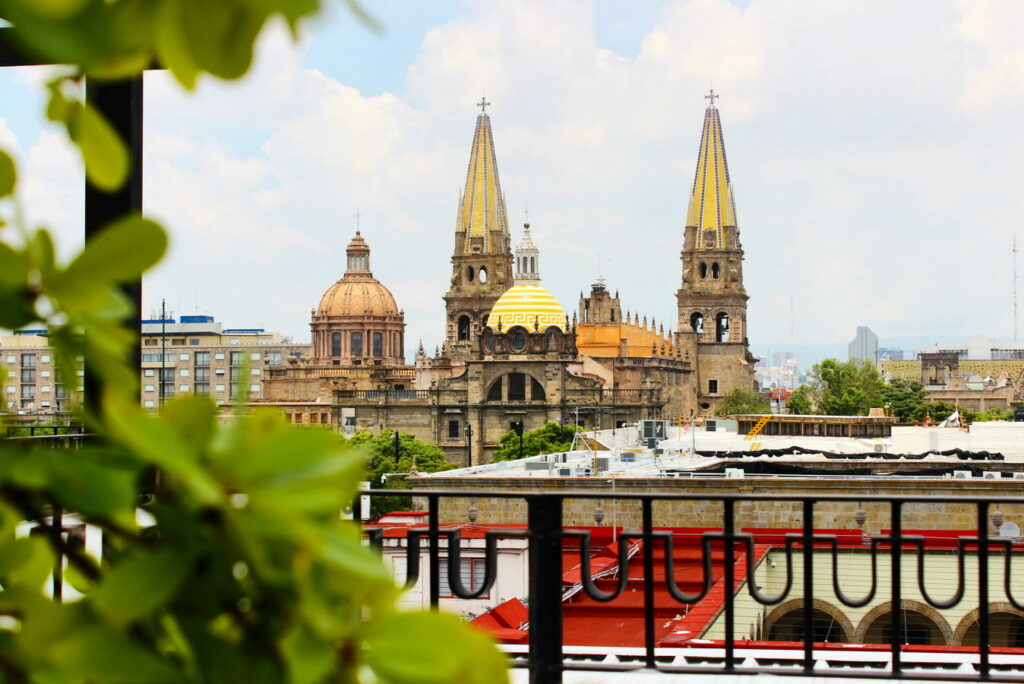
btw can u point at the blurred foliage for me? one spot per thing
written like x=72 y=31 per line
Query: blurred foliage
x=241 y=569
x=547 y=439
x=385 y=470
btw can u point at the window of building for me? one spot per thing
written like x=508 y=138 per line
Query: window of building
x=494 y=393
x=236 y=358
x=235 y=374
x=254 y=389
x=202 y=389
x=150 y=342
x=44 y=374
x=256 y=371
x=183 y=388
x=697 y=322
x=178 y=340
x=274 y=358
x=202 y=375
x=453 y=429
x=463 y=326
x=45 y=389
x=45 y=358
x=336 y=344
x=150 y=403
x=537 y=391
x=219 y=356
x=233 y=390
x=378 y=344
x=193 y=341
x=255 y=356
x=28 y=374
x=12 y=359
x=517 y=340
x=61 y=393
x=722 y=327
x=356 y=344
x=183 y=357
x=28 y=360
x=184 y=372
x=218 y=371
x=516 y=387
x=202 y=359
x=716 y=270
x=703 y=269
x=471 y=574
x=218 y=388
x=148 y=388
x=28 y=391
x=712 y=387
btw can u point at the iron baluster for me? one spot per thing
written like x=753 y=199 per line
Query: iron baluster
x=983 y=616
x=730 y=617
x=895 y=556
x=435 y=549
x=648 y=582
x=544 y=519
x=846 y=600
x=808 y=558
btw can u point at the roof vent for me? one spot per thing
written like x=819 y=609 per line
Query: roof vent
x=962 y=475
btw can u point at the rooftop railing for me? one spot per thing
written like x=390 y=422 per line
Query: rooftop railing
x=887 y=552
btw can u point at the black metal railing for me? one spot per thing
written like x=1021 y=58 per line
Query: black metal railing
x=546 y=537
x=386 y=394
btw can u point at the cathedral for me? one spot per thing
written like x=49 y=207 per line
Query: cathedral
x=511 y=353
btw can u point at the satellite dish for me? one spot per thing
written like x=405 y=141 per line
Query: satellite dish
x=1009 y=529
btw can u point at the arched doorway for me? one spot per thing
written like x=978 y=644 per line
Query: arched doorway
x=1005 y=627
x=921 y=625
x=786 y=623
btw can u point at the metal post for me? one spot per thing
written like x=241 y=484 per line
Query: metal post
x=895 y=554
x=808 y=586
x=545 y=523
x=648 y=536
x=730 y=616
x=120 y=103
x=433 y=523
x=984 y=623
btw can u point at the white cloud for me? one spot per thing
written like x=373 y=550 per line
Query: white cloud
x=874 y=148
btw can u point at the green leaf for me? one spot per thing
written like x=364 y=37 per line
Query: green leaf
x=173 y=45
x=57 y=9
x=8 y=174
x=120 y=253
x=97 y=654
x=428 y=647
x=27 y=564
x=103 y=151
x=138 y=586
x=92 y=488
x=221 y=35
x=194 y=417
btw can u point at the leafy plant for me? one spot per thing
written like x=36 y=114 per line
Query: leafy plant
x=740 y=401
x=239 y=568
x=548 y=439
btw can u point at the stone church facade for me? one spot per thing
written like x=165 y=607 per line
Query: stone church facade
x=511 y=353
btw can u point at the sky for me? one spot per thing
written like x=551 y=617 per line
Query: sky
x=875 y=150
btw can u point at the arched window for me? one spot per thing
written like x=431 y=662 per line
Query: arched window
x=336 y=344
x=356 y=344
x=715 y=270
x=722 y=327
x=917 y=628
x=703 y=270
x=494 y=393
x=463 y=326
x=697 y=322
x=469 y=274
x=517 y=339
x=1005 y=630
x=933 y=374
x=378 y=345
x=946 y=372
x=533 y=264
x=516 y=387
x=613 y=315
x=537 y=391
x=482 y=275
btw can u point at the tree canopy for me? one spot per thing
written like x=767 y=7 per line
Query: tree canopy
x=379 y=451
x=838 y=388
x=741 y=401
x=547 y=439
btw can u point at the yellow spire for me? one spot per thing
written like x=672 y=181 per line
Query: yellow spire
x=482 y=206
x=711 y=203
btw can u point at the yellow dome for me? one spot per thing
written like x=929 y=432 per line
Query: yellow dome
x=357 y=296
x=530 y=306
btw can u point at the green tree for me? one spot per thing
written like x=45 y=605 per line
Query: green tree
x=384 y=470
x=741 y=401
x=547 y=439
x=840 y=389
x=801 y=402
x=903 y=397
x=247 y=572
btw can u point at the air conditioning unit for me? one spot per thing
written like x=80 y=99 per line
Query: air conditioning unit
x=990 y=475
x=602 y=463
x=879 y=448
x=1018 y=476
x=962 y=475
x=565 y=472
x=734 y=473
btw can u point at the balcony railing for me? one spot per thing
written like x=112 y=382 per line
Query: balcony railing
x=546 y=544
x=386 y=394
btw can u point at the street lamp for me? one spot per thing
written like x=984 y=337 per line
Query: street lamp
x=469 y=443
x=517 y=427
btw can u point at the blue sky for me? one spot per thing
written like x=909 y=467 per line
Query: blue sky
x=875 y=150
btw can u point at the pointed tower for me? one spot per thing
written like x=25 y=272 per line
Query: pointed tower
x=482 y=260
x=712 y=301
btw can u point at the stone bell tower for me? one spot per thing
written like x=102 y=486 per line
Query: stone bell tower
x=712 y=301
x=482 y=259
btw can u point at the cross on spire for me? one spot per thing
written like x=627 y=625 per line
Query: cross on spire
x=483 y=104
x=711 y=97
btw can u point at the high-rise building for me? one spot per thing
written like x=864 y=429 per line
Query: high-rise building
x=863 y=347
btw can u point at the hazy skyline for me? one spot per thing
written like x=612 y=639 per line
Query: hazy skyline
x=874 y=148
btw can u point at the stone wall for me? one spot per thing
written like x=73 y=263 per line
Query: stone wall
x=774 y=513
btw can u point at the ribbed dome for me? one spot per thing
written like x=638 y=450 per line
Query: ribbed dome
x=528 y=305
x=357 y=296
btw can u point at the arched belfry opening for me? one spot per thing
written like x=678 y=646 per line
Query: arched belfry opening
x=463 y=326
x=697 y=322
x=722 y=327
